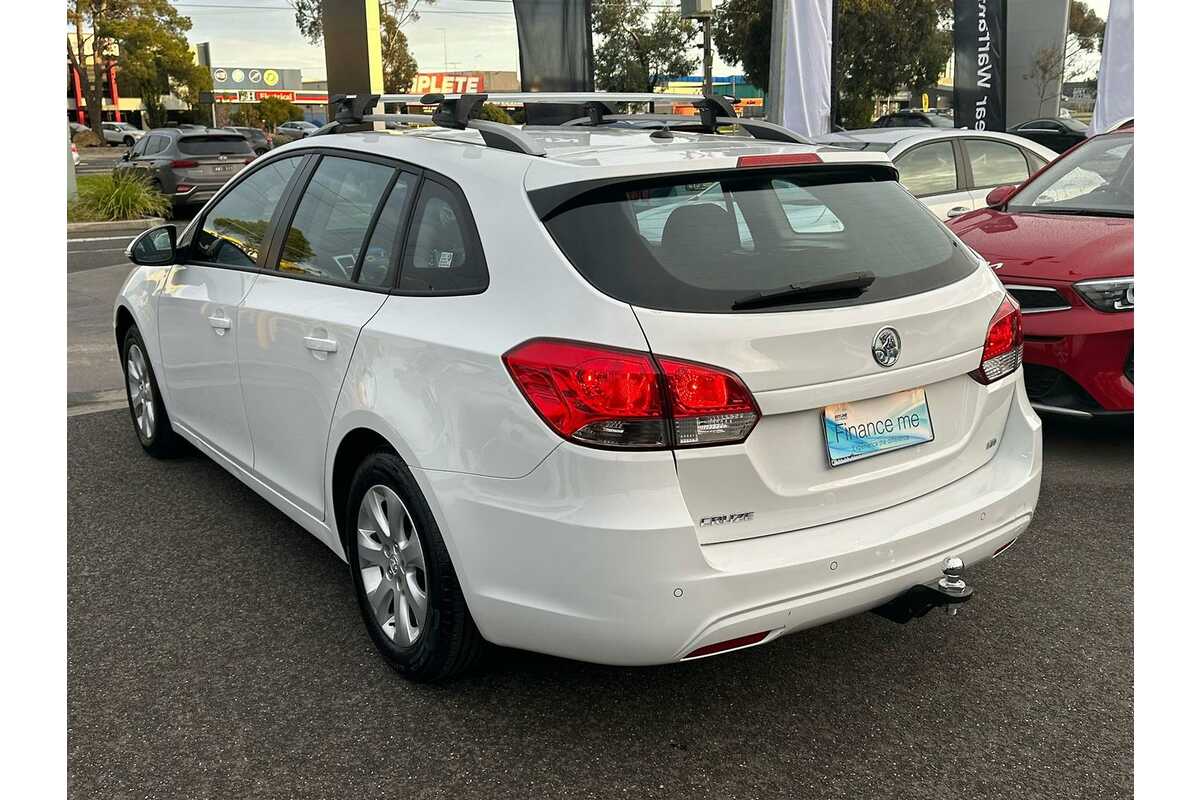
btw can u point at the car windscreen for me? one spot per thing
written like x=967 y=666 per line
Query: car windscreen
x=1094 y=178
x=708 y=242
x=210 y=145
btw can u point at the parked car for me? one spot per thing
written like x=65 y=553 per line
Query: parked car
x=186 y=165
x=76 y=127
x=1059 y=134
x=260 y=140
x=1063 y=245
x=121 y=133
x=915 y=118
x=530 y=408
x=74 y=154
x=950 y=170
x=291 y=131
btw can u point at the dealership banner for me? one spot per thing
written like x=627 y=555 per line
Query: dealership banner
x=801 y=63
x=554 y=45
x=979 y=64
x=1114 y=90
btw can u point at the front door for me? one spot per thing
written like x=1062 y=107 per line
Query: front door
x=198 y=311
x=298 y=325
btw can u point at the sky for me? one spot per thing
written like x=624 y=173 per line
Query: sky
x=452 y=34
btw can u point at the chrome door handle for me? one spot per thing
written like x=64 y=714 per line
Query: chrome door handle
x=957 y=211
x=220 y=324
x=319 y=345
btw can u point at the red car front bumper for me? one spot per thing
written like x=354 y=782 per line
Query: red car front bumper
x=1078 y=361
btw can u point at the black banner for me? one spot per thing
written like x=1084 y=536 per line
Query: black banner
x=554 y=45
x=979 y=64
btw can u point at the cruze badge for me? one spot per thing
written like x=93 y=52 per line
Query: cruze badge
x=886 y=347
x=727 y=519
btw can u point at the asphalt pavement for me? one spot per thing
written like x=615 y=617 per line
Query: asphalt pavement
x=215 y=650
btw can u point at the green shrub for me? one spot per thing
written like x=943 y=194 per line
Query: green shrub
x=87 y=139
x=121 y=195
x=494 y=113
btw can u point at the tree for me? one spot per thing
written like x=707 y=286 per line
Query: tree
x=247 y=115
x=883 y=45
x=399 y=66
x=1052 y=66
x=274 y=111
x=637 y=52
x=150 y=38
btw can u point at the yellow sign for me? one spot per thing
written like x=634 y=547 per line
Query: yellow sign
x=270 y=77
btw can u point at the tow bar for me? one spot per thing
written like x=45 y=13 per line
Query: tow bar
x=950 y=593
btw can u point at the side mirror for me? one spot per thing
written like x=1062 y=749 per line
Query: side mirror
x=153 y=248
x=126 y=155
x=1000 y=195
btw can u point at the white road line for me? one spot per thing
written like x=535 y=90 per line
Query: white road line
x=105 y=238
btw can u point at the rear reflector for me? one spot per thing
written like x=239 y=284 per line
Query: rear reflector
x=779 y=160
x=728 y=644
x=611 y=397
x=184 y=163
x=1003 y=344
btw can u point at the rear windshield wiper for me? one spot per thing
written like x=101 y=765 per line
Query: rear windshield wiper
x=850 y=284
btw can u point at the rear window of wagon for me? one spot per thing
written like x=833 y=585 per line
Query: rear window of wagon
x=231 y=144
x=700 y=242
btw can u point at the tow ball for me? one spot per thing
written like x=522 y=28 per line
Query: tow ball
x=950 y=592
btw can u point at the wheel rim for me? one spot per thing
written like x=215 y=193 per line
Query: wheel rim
x=141 y=393
x=392 y=564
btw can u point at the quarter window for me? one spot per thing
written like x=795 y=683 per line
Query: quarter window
x=443 y=255
x=331 y=222
x=379 y=258
x=235 y=229
x=929 y=169
x=156 y=144
x=995 y=163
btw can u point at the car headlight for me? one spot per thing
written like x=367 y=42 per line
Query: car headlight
x=1107 y=294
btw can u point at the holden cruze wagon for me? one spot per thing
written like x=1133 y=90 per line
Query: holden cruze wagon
x=626 y=395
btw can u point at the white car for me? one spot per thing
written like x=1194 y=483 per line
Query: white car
x=951 y=170
x=482 y=367
x=121 y=133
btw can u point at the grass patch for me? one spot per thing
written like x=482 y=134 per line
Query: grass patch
x=119 y=196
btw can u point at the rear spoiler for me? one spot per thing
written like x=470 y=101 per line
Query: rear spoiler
x=549 y=200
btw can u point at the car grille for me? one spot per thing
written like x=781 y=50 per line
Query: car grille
x=1039 y=380
x=1036 y=299
x=1054 y=388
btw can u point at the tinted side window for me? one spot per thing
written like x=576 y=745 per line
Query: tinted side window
x=929 y=169
x=443 y=254
x=155 y=144
x=380 y=256
x=140 y=148
x=235 y=228
x=331 y=222
x=995 y=163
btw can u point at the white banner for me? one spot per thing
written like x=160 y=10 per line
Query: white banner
x=1114 y=89
x=800 y=65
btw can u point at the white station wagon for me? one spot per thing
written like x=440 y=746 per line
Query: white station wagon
x=625 y=395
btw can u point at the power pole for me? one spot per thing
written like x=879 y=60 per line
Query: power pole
x=701 y=10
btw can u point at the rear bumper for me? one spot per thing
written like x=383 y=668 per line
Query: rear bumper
x=594 y=556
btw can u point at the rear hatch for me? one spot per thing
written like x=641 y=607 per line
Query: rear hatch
x=212 y=157
x=789 y=277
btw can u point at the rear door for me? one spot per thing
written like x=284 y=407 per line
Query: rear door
x=991 y=163
x=297 y=327
x=933 y=174
x=770 y=231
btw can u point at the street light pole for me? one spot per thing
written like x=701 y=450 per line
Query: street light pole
x=445 y=55
x=708 y=85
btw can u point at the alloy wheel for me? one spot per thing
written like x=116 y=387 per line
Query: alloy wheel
x=392 y=564
x=141 y=391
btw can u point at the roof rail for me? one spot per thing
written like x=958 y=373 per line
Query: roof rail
x=759 y=129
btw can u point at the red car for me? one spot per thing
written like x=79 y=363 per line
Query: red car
x=1062 y=242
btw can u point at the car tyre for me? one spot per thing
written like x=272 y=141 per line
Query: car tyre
x=150 y=420
x=405 y=583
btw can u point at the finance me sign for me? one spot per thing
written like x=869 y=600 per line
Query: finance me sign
x=979 y=64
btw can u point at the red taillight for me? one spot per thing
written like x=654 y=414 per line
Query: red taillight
x=708 y=405
x=184 y=163
x=609 y=397
x=1003 y=344
x=779 y=160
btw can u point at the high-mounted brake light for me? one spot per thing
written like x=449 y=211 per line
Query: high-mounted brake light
x=779 y=160
x=1003 y=344
x=184 y=163
x=610 y=397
